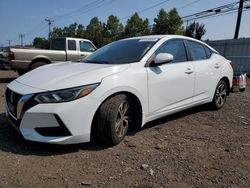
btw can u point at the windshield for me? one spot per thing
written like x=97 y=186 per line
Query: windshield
x=121 y=52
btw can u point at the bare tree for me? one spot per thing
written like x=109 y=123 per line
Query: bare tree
x=195 y=30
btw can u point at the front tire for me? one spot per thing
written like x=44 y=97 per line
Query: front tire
x=220 y=95
x=113 y=119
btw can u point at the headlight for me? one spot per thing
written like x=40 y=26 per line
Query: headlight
x=65 y=95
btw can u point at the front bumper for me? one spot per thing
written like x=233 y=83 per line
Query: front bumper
x=60 y=123
x=4 y=64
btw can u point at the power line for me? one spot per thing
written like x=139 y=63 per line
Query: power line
x=188 y=4
x=36 y=28
x=184 y=6
x=146 y=9
x=210 y=12
x=222 y=14
x=214 y=11
x=76 y=11
x=40 y=25
x=91 y=8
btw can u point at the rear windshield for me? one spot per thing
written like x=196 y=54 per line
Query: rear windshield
x=122 y=52
x=57 y=44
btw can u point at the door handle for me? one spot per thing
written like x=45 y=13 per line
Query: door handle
x=189 y=71
x=216 y=66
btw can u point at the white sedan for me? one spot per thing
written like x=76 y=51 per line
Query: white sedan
x=124 y=84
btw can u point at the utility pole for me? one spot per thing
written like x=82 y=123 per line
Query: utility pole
x=49 y=22
x=237 y=29
x=21 y=36
x=9 y=42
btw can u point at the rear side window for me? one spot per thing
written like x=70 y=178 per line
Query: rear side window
x=71 y=45
x=197 y=50
x=176 y=48
x=57 y=44
x=86 y=47
x=208 y=52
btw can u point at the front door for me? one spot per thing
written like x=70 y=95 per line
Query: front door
x=171 y=85
x=86 y=48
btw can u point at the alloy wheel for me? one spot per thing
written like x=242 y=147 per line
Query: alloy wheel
x=122 y=121
x=221 y=94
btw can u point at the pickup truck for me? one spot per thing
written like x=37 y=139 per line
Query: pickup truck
x=61 y=49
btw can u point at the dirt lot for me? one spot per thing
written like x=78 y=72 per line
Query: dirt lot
x=195 y=148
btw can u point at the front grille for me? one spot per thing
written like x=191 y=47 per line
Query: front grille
x=12 y=100
x=18 y=104
x=14 y=121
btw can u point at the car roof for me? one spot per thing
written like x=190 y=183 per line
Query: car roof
x=162 y=36
x=170 y=37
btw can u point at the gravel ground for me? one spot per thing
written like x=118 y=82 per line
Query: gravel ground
x=194 y=148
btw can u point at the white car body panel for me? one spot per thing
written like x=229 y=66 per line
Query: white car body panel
x=35 y=117
x=161 y=90
x=49 y=77
x=169 y=86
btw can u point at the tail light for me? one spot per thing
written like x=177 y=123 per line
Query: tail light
x=11 y=56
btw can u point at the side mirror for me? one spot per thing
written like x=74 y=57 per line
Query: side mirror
x=93 y=50
x=163 y=58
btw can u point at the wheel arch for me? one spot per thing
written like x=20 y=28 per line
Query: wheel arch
x=135 y=100
x=39 y=59
x=226 y=79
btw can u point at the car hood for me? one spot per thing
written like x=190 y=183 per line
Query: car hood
x=68 y=74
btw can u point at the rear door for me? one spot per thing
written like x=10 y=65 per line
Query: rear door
x=171 y=85
x=207 y=70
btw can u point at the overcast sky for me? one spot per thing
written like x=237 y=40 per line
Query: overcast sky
x=27 y=16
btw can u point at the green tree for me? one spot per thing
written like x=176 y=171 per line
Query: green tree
x=112 y=29
x=175 y=23
x=195 y=30
x=94 y=32
x=161 y=23
x=42 y=43
x=57 y=32
x=73 y=30
x=136 y=26
x=168 y=22
x=80 y=31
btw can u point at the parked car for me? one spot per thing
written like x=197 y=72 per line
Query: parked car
x=4 y=64
x=61 y=49
x=124 y=84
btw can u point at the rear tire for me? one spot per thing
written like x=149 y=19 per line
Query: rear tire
x=220 y=95
x=21 y=72
x=37 y=64
x=113 y=120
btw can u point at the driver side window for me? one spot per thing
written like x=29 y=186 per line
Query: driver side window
x=86 y=47
x=176 y=48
